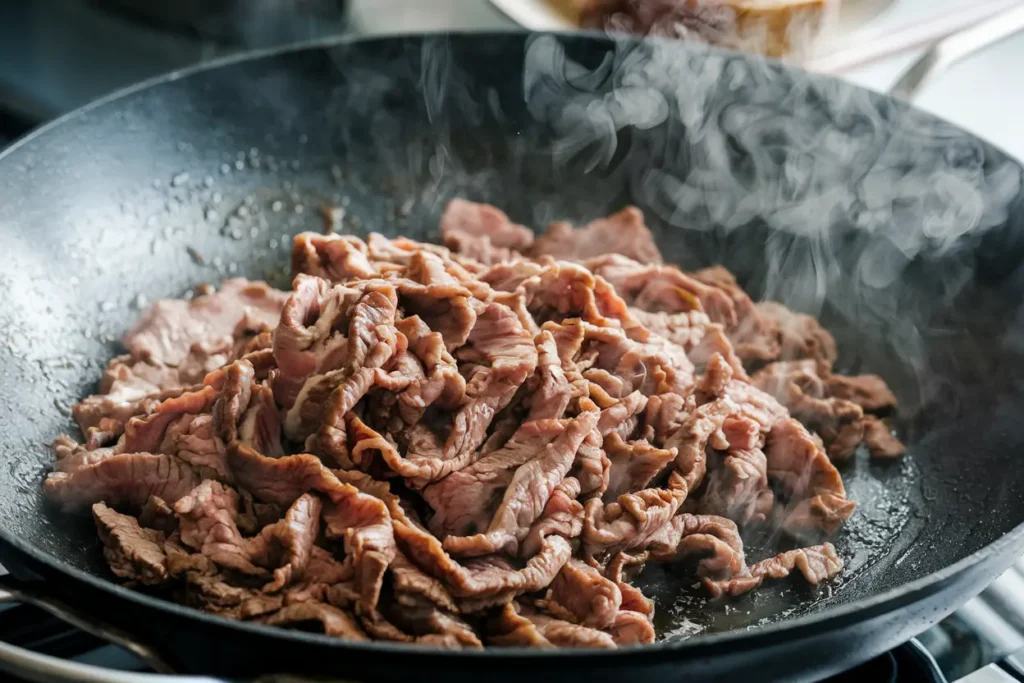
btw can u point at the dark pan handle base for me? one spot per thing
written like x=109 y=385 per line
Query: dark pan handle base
x=34 y=666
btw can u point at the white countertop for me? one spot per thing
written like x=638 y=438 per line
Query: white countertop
x=980 y=94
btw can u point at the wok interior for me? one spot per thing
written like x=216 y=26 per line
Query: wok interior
x=200 y=178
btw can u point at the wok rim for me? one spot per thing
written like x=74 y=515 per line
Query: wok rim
x=832 y=617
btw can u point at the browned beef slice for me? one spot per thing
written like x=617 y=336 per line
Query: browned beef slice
x=464 y=502
x=306 y=339
x=816 y=564
x=631 y=628
x=508 y=356
x=870 y=392
x=797 y=385
x=527 y=492
x=288 y=543
x=483 y=232
x=125 y=385
x=336 y=258
x=656 y=289
x=880 y=440
x=208 y=523
x=347 y=369
x=633 y=464
x=715 y=539
x=169 y=328
x=132 y=552
x=122 y=479
x=334 y=622
x=629 y=522
x=797 y=461
x=801 y=336
x=621 y=233
x=734 y=488
x=520 y=626
x=582 y=595
x=424 y=621
x=562 y=516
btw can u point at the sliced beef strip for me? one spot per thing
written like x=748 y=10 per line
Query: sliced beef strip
x=133 y=552
x=441 y=384
x=336 y=258
x=413 y=587
x=631 y=628
x=71 y=456
x=128 y=388
x=715 y=539
x=753 y=336
x=333 y=621
x=880 y=441
x=311 y=333
x=424 y=621
x=816 y=564
x=562 y=516
x=592 y=468
x=362 y=521
x=870 y=392
x=650 y=367
x=527 y=493
x=555 y=290
x=633 y=464
x=685 y=328
x=621 y=233
x=798 y=387
x=511 y=357
x=553 y=390
x=832 y=405
x=664 y=415
x=122 y=479
x=663 y=289
x=629 y=522
x=483 y=232
x=287 y=545
x=705 y=425
x=174 y=345
x=260 y=425
x=737 y=486
x=621 y=418
x=524 y=627
x=800 y=335
x=168 y=329
x=394 y=255
x=481 y=582
x=464 y=502
x=348 y=370
x=208 y=523
x=817 y=495
x=580 y=594
x=196 y=425
x=444 y=303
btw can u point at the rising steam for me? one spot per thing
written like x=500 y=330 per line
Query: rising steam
x=849 y=183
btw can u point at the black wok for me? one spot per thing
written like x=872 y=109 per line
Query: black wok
x=902 y=232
